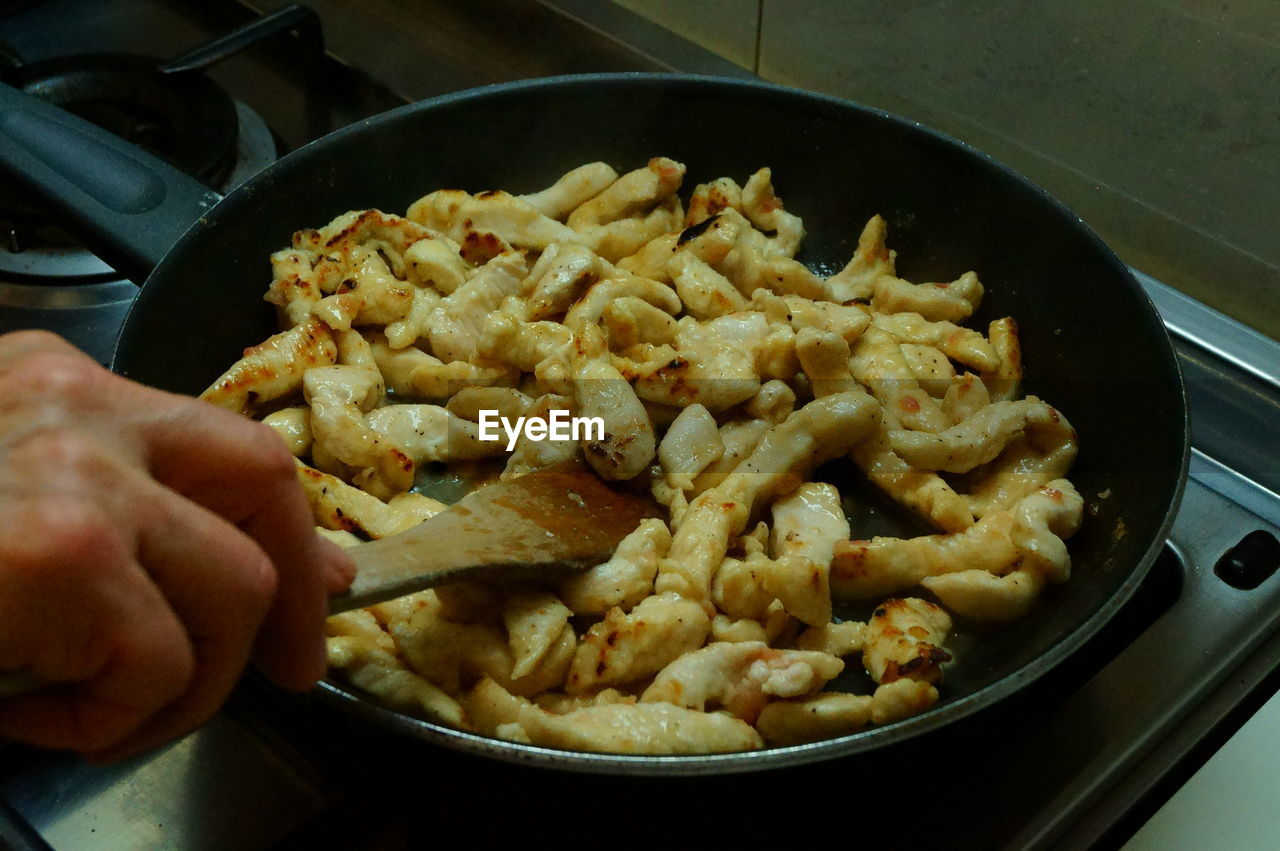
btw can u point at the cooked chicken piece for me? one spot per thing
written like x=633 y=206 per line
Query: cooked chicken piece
x=931 y=368
x=628 y=444
x=1042 y=523
x=508 y=402
x=709 y=242
x=924 y=492
x=535 y=621
x=871 y=261
x=823 y=716
x=340 y=506
x=458 y=323
x=755 y=263
x=590 y=308
x=883 y=565
x=878 y=364
x=436 y=264
x=704 y=292
x=965 y=397
x=390 y=234
x=378 y=672
x=982 y=436
x=429 y=434
x=691 y=443
x=273 y=368
x=763 y=207
x=294 y=288
x=625 y=579
x=824 y=357
x=530 y=455
x=651 y=260
x=1004 y=378
x=985 y=597
x=360 y=624
x=901 y=699
x=635 y=193
x=526 y=346
x=737 y=589
x=630 y=321
x=740 y=438
x=573 y=189
x=1023 y=467
x=369 y=293
x=625 y=647
x=838 y=639
x=338 y=396
x=711 y=199
x=641 y=728
x=620 y=239
x=848 y=321
x=561 y=275
x=459 y=215
x=808 y=522
x=415 y=325
x=452 y=655
x=561 y=704
x=750 y=587
x=821 y=430
x=740 y=677
x=951 y=302
x=963 y=345
x=904 y=640
x=710 y=369
x=411 y=372
x=294 y=427
x=724 y=628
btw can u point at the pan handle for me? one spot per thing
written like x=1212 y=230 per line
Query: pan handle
x=126 y=205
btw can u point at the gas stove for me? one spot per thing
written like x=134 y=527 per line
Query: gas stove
x=1082 y=756
x=148 y=84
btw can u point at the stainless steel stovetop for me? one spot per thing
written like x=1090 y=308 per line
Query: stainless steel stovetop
x=1083 y=756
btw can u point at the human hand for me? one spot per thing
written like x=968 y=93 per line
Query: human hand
x=150 y=545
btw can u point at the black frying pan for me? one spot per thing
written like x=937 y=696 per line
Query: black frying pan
x=1092 y=341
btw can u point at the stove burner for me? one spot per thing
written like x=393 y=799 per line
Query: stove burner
x=185 y=118
x=34 y=251
x=169 y=107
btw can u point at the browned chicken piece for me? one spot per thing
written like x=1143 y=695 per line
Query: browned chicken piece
x=273 y=368
x=904 y=640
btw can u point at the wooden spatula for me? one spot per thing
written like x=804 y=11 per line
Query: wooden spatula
x=538 y=526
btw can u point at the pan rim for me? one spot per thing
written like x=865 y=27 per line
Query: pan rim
x=945 y=713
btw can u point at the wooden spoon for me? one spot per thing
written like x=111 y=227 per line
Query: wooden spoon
x=539 y=526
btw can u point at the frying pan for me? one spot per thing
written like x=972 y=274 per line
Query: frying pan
x=1093 y=344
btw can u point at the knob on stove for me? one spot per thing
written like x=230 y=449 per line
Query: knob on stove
x=1251 y=562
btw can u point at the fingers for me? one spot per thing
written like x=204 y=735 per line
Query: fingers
x=214 y=560
x=242 y=471
x=78 y=611
x=221 y=585
x=339 y=569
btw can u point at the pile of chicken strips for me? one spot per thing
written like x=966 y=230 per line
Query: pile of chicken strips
x=725 y=372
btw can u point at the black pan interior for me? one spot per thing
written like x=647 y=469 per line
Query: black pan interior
x=1093 y=345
